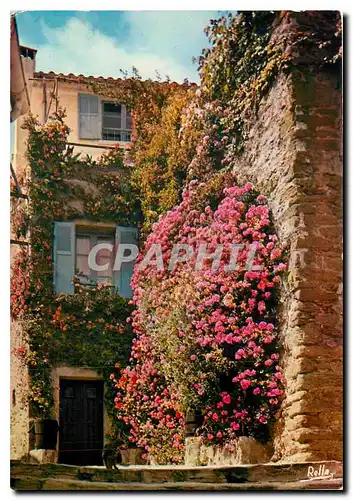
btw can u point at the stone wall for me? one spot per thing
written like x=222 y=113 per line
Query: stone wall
x=293 y=156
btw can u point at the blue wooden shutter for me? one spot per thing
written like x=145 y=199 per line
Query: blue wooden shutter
x=128 y=235
x=64 y=257
x=89 y=117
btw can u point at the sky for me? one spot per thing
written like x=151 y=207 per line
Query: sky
x=104 y=42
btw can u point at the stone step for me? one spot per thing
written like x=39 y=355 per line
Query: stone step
x=261 y=473
x=51 y=484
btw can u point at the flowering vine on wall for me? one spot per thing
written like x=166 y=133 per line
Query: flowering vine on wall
x=206 y=340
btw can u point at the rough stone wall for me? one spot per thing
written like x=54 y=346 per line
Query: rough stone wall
x=293 y=155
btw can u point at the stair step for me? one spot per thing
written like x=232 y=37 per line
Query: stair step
x=261 y=473
x=51 y=484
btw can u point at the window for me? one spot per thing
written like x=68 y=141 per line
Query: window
x=72 y=245
x=84 y=244
x=107 y=121
x=116 y=122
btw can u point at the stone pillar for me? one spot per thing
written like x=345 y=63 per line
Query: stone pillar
x=293 y=156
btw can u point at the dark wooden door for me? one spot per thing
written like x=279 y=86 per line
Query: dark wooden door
x=81 y=422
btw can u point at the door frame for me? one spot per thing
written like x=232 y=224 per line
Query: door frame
x=75 y=373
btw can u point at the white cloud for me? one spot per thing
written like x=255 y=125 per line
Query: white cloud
x=162 y=41
x=179 y=33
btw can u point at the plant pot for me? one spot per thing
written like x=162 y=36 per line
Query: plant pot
x=132 y=456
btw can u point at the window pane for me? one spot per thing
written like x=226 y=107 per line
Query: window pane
x=105 y=239
x=128 y=121
x=112 y=107
x=82 y=245
x=111 y=121
x=112 y=134
x=105 y=256
x=82 y=265
x=105 y=260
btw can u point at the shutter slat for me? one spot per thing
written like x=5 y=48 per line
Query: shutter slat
x=89 y=122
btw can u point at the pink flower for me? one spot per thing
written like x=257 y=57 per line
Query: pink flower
x=215 y=417
x=226 y=399
x=210 y=437
x=245 y=384
x=268 y=339
x=193 y=357
x=239 y=354
x=219 y=435
x=261 y=306
x=256 y=391
x=234 y=426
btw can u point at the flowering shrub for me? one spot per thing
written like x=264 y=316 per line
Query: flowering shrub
x=148 y=407
x=206 y=339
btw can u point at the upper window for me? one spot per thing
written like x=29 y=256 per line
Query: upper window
x=106 y=121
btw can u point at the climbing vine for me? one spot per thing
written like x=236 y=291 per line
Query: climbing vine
x=158 y=155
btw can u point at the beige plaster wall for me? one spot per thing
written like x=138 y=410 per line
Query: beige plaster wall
x=19 y=384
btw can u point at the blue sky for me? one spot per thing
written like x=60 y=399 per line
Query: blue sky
x=101 y=43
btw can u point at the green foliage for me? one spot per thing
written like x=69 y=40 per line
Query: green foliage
x=159 y=156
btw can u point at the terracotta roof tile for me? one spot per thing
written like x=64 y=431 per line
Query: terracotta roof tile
x=71 y=76
x=84 y=78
